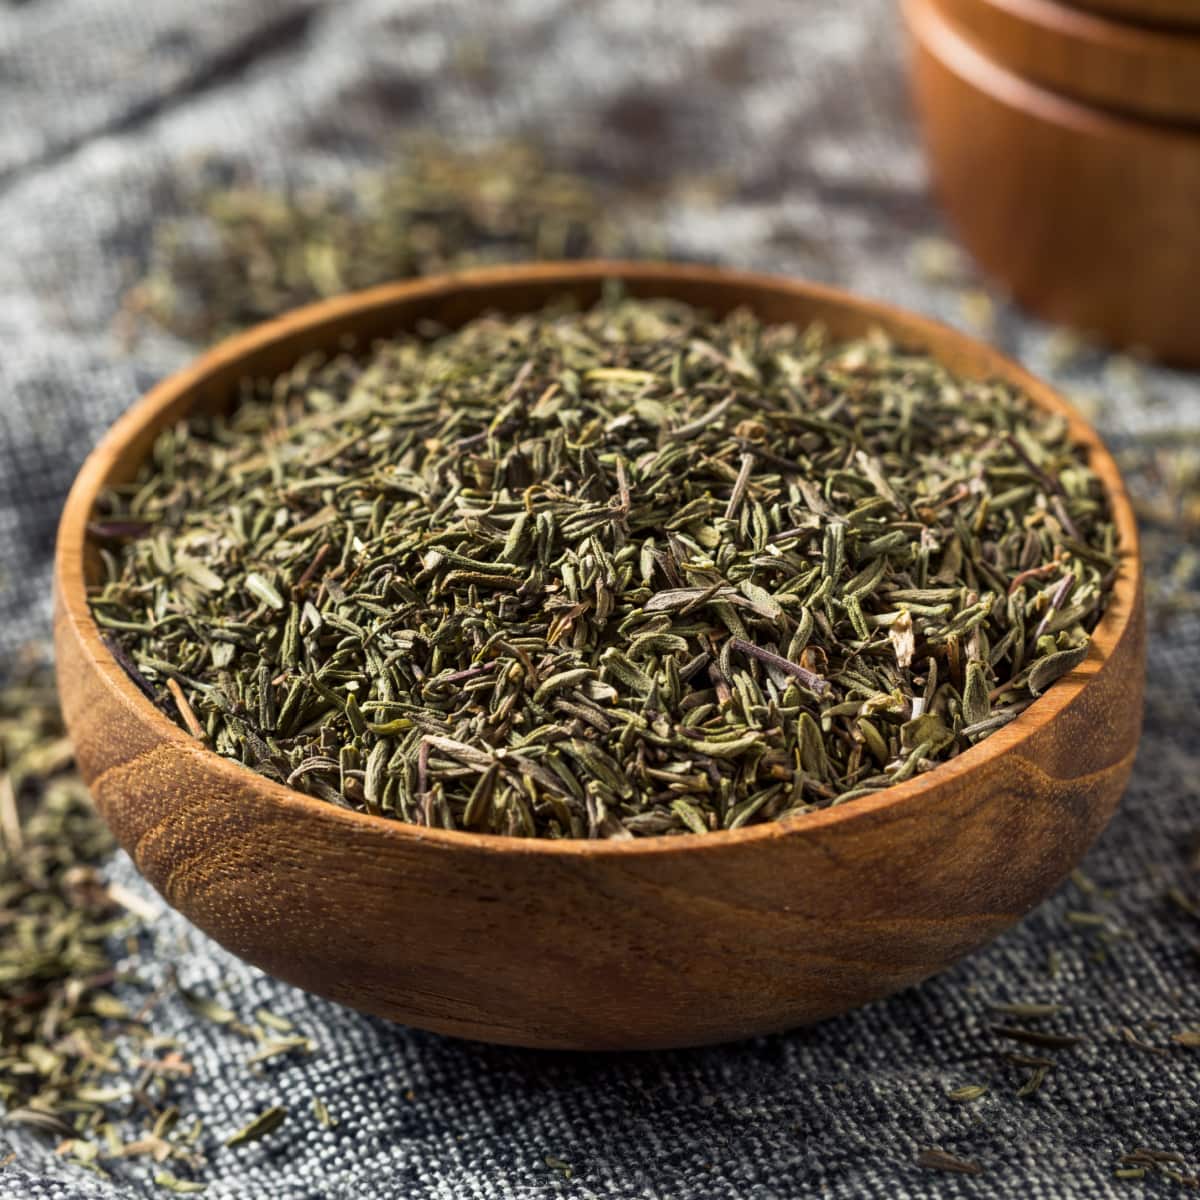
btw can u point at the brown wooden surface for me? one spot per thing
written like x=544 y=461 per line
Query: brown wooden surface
x=655 y=942
x=1091 y=220
x=1123 y=67
x=1173 y=14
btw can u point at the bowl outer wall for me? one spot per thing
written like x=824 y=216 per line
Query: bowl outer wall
x=1088 y=218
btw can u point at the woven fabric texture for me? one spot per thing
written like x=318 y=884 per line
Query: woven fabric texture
x=801 y=108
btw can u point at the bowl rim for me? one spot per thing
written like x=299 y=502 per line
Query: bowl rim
x=1168 y=16
x=941 y=35
x=1134 y=71
x=70 y=586
x=1092 y=26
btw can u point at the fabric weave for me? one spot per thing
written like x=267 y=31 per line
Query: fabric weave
x=802 y=108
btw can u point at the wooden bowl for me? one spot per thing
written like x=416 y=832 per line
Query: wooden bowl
x=1180 y=14
x=597 y=945
x=1091 y=220
x=1127 y=68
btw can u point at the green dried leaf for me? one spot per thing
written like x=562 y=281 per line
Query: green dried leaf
x=260 y=1127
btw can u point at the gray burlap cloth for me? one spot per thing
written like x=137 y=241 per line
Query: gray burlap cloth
x=801 y=106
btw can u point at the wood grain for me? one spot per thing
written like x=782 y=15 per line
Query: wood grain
x=1126 y=68
x=1091 y=220
x=1170 y=14
x=598 y=945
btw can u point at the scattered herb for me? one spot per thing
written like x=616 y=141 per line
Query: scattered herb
x=1133 y=1040
x=1036 y=1078
x=207 y=1008
x=269 y=1020
x=79 y=1064
x=245 y=253
x=1028 y=1060
x=262 y=1126
x=1036 y=1037
x=181 y=1187
x=939 y=261
x=1162 y=473
x=1143 y=1160
x=65 y=1037
x=1026 y=1010
x=557 y=1164
x=280 y=1047
x=939 y=1160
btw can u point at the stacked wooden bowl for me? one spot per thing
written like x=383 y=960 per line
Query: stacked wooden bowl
x=1064 y=143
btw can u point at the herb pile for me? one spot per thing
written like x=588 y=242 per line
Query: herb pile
x=77 y=1062
x=618 y=573
x=245 y=253
x=82 y=1064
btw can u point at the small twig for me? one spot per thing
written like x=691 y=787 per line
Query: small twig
x=185 y=710
x=1048 y=482
x=809 y=678
x=1064 y=517
x=423 y=767
x=1033 y=573
x=740 y=486
x=1057 y=598
x=623 y=487
x=312 y=568
x=10 y=819
x=702 y=422
x=465 y=674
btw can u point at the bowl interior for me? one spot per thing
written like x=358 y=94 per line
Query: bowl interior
x=354 y=322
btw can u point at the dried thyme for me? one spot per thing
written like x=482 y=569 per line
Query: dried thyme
x=246 y=252
x=77 y=1065
x=617 y=573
